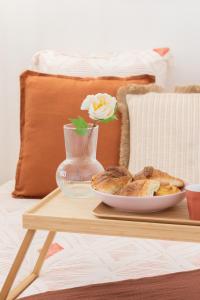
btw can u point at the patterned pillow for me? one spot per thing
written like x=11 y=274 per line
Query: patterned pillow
x=155 y=62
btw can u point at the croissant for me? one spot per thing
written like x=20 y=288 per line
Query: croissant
x=167 y=190
x=111 y=180
x=145 y=187
x=162 y=177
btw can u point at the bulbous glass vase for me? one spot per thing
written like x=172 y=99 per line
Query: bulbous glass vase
x=76 y=171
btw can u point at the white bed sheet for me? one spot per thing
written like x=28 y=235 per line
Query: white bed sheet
x=87 y=259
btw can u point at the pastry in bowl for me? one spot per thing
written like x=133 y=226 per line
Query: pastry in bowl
x=112 y=180
x=167 y=190
x=149 y=191
x=140 y=188
x=163 y=177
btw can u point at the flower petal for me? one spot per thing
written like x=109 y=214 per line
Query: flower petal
x=100 y=106
x=86 y=102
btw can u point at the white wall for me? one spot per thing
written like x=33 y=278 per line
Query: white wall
x=27 y=26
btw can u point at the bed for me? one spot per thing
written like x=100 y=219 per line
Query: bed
x=78 y=260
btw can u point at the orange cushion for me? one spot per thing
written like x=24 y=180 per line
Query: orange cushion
x=47 y=103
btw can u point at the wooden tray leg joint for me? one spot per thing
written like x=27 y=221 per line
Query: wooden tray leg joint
x=5 y=293
x=43 y=253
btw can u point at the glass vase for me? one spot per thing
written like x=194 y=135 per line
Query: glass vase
x=75 y=172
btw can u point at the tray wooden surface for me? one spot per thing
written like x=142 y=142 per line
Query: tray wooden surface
x=57 y=212
x=175 y=215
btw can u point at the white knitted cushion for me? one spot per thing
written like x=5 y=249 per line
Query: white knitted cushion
x=165 y=133
x=114 y=64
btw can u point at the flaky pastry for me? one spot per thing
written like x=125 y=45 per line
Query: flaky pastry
x=111 y=180
x=146 y=187
x=167 y=190
x=162 y=177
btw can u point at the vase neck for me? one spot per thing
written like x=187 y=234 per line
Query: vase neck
x=80 y=147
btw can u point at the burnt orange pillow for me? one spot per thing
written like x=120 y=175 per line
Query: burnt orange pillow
x=47 y=103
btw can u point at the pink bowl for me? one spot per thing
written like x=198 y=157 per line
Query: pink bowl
x=140 y=204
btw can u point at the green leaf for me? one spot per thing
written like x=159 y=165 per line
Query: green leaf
x=79 y=122
x=82 y=131
x=80 y=125
x=112 y=118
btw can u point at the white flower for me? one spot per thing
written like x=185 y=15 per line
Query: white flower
x=99 y=106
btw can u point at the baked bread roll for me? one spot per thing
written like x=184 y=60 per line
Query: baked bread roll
x=111 y=180
x=144 y=187
x=162 y=177
x=167 y=190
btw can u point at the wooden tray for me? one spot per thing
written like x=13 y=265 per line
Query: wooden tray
x=176 y=215
x=57 y=212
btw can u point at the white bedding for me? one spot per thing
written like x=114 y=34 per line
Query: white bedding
x=87 y=259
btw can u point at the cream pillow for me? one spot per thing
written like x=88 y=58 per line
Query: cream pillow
x=123 y=91
x=165 y=133
x=155 y=62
